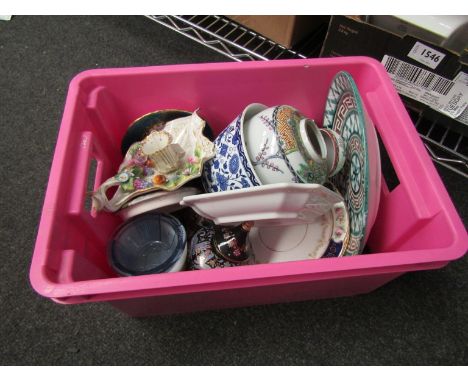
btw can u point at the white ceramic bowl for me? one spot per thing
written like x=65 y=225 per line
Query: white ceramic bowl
x=284 y=146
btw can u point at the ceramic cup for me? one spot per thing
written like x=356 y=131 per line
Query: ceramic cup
x=231 y=169
x=284 y=146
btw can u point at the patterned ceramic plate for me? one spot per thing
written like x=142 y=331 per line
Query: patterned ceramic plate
x=325 y=237
x=344 y=114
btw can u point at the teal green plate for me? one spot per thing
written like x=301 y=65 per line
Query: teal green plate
x=344 y=114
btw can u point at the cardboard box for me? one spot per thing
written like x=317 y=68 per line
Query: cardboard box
x=285 y=30
x=449 y=31
x=426 y=75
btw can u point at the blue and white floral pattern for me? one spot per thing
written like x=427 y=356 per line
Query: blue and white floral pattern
x=229 y=169
x=344 y=114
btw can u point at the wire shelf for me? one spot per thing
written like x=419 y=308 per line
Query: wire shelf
x=227 y=37
x=446 y=146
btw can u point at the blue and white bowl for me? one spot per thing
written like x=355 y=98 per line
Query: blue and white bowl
x=231 y=168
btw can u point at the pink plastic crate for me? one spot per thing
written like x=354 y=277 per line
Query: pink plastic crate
x=417 y=226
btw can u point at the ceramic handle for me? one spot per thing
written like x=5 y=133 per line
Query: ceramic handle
x=412 y=156
x=100 y=199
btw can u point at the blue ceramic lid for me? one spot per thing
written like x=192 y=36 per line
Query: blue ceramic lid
x=149 y=243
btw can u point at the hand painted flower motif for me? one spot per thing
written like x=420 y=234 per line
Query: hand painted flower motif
x=244 y=183
x=236 y=137
x=224 y=149
x=147 y=171
x=137 y=171
x=268 y=123
x=222 y=181
x=234 y=164
x=123 y=177
x=140 y=159
x=159 y=179
x=229 y=170
x=139 y=184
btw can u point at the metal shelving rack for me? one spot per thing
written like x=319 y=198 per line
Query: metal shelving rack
x=445 y=145
x=227 y=37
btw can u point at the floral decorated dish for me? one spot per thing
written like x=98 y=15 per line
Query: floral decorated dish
x=147 y=165
x=154 y=121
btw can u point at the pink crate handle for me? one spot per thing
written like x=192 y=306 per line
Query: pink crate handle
x=80 y=180
x=413 y=166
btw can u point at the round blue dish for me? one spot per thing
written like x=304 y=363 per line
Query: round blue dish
x=147 y=244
